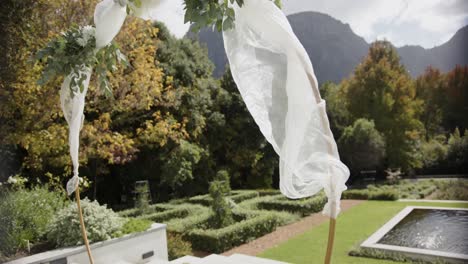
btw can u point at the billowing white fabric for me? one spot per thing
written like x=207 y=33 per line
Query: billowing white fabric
x=110 y=15
x=72 y=107
x=276 y=80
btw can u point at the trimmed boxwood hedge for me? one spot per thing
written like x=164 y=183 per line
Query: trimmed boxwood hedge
x=384 y=195
x=179 y=211
x=303 y=207
x=236 y=196
x=220 y=240
x=134 y=212
x=196 y=220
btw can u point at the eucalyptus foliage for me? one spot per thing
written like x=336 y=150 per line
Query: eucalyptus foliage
x=206 y=13
x=74 y=51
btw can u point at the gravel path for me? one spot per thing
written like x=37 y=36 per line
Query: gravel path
x=284 y=233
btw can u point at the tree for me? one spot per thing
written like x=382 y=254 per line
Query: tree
x=457 y=99
x=337 y=110
x=362 y=146
x=219 y=190
x=236 y=142
x=458 y=151
x=381 y=90
x=430 y=89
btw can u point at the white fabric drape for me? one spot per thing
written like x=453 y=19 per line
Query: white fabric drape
x=276 y=80
x=73 y=107
x=110 y=15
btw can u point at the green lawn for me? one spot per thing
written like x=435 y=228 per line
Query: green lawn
x=353 y=227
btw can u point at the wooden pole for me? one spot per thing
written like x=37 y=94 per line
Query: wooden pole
x=331 y=238
x=82 y=224
x=332 y=226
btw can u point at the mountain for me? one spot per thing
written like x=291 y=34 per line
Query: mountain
x=335 y=50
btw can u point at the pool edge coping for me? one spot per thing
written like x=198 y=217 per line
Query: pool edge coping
x=372 y=241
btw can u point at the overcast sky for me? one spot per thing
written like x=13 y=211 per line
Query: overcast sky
x=404 y=22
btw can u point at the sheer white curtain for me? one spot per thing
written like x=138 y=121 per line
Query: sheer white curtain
x=276 y=80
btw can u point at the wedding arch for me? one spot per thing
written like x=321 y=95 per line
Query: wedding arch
x=271 y=68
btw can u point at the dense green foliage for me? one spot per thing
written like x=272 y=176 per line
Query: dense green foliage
x=177 y=247
x=405 y=189
x=452 y=190
x=302 y=207
x=381 y=90
x=219 y=189
x=101 y=224
x=362 y=146
x=135 y=225
x=206 y=13
x=25 y=215
x=222 y=239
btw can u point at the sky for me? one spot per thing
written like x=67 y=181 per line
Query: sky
x=427 y=23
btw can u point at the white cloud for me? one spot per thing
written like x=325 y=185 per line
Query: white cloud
x=404 y=22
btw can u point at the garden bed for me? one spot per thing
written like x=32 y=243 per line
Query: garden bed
x=252 y=226
x=404 y=189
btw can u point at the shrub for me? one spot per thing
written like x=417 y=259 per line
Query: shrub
x=219 y=189
x=143 y=196
x=384 y=195
x=177 y=246
x=356 y=194
x=25 y=214
x=304 y=207
x=101 y=224
x=362 y=146
x=135 y=225
x=220 y=240
x=452 y=190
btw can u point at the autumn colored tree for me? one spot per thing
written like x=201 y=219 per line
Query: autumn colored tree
x=381 y=90
x=114 y=128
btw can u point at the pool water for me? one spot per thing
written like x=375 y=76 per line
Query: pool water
x=442 y=230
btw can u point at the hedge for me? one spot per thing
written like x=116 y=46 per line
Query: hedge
x=268 y=192
x=384 y=195
x=236 y=196
x=183 y=225
x=240 y=196
x=134 y=212
x=179 y=211
x=303 y=207
x=220 y=240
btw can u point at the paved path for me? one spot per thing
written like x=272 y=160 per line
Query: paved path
x=284 y=233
